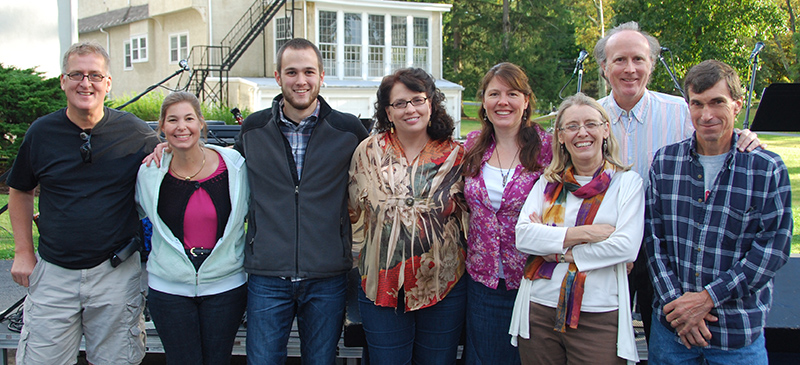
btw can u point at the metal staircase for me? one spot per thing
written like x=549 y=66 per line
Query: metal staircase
x=212 y=62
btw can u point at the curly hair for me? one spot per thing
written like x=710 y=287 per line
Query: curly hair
x=416 y=79
x=528 y=135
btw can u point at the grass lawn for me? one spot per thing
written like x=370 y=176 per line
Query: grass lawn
x=6 y=238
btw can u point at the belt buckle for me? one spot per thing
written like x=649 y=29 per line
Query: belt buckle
x=191 y=250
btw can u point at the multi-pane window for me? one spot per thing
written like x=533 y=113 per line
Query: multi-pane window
x=420 y=43
x=399 y=43
x=139 y=48
x=352 y=44
x=377 y=41
x=283 y=32
x=178 y=47
x=370 y=45
x=327 y=41
x=128 y=65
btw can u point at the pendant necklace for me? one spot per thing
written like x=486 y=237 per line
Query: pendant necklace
x=499 y=164
x=187 y=178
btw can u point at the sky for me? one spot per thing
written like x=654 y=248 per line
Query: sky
x=29 y=35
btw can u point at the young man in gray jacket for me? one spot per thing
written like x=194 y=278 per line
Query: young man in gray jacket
x=298 y=248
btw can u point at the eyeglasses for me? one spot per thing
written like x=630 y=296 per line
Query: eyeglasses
x=574 y=128
x=77 y=76
x=402 y=104
x=86 y=147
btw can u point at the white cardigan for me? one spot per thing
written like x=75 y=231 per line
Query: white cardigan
x=603 y=262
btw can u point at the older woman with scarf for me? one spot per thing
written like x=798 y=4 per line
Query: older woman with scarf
x=580 y=224
x=407 y=189
x=503 y=161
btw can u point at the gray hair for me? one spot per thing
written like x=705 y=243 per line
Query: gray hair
x=84 y=48
x=600 y=47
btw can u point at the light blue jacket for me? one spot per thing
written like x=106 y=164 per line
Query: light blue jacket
x=169 y=269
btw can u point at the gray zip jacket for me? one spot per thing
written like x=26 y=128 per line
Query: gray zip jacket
x=299 y=228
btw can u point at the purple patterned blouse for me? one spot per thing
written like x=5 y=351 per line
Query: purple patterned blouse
x=491 y=233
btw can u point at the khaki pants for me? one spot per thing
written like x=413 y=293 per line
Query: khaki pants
x=103 y=304
x=593 y=342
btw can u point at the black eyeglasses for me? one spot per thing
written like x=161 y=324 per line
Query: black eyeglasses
x=86 y=147
x=77 y=76
x=402 y=104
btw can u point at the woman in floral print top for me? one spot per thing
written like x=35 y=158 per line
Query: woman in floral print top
x=504 y=159
x=406 y=189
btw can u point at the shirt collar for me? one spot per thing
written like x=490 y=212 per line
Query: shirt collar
x=694 y=156
x=307 y=120
x=637 y=113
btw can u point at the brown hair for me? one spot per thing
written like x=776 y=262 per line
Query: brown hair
x=706 y=74
x=528 y=135
x=183 y=97
x=416 y=79
x=84 y=48
x=298 y=44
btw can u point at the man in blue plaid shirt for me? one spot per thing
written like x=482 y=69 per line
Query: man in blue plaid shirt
x=718 y=227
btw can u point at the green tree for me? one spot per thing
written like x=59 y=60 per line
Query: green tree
x=704 y=29
x=25 y=94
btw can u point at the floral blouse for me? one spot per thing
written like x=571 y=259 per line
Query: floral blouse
x=491 y=233
x=413 y=218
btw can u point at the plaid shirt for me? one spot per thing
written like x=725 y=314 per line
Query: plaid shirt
x=730 y=243
x=298 y=135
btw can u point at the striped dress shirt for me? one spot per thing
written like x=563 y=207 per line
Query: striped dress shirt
x=654 y=122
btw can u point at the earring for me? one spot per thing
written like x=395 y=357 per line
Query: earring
x=605 y=146
x=391 y=127
x=429 y=122
x=564 y=149
x=525 y=116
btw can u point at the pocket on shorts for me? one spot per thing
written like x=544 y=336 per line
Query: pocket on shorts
x=22 y=347
x=136 y=330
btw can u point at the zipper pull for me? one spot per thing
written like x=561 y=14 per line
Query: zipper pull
x=296 y=189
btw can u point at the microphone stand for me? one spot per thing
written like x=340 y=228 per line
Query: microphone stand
x=579 y=68
x=746 y=124
x=671 y=75
x=184 y=67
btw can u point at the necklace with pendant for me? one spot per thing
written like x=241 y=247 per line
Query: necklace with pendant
x=499 y=164
x=187 y=178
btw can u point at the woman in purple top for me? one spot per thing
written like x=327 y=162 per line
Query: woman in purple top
x=503 y=161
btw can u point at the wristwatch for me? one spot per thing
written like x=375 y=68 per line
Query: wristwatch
x=561 y=258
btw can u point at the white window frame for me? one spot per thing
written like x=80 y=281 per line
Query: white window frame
x=335 y=67
x=180 y=49
x=127 y=62
x=139 y=53
x=281 y=39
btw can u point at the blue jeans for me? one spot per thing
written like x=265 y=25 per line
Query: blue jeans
x=272 y=304
x=425 y=336
x=198 y=330
x=667 y=348
x=488 y=318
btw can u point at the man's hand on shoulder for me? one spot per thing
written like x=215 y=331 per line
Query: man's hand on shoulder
x=688 y=315
x=156 y=155
x=22 y=267
x=748 y=140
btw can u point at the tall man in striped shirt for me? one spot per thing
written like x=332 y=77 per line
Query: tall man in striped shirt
x=718 y=227
x=643 y=120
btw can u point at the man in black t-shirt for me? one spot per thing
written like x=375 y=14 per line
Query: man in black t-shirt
x=84 y=158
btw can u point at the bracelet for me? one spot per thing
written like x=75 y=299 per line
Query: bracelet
x=561 y=258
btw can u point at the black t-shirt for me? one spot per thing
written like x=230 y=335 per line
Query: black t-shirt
x=87 y=210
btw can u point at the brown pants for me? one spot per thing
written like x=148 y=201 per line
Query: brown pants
x=593 y=342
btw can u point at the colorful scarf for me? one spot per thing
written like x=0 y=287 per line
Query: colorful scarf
x=555 y=198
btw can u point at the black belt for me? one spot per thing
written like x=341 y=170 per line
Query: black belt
x=197 y=255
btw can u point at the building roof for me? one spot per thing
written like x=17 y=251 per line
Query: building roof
x=113 y=18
